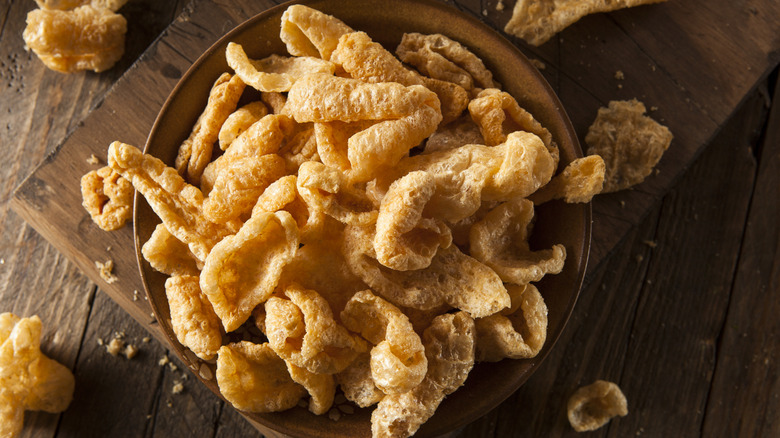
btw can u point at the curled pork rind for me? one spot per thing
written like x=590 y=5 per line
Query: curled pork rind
x=458 y=133
x=592 y=406
x=449 y=347
x=326 y=189
x=28 y=379
x=519 y=334
x=239 y=121
x=193 y=320
x=321 y=387
x=178 y=204
x=500 y=240
x=579 y=182
x=630 y=143
x=333 y=141
x=167 y=254
x=357 y=384
x=242 y=270
x=536 y=21
x=85 y=38
x=195 y=153
x=309 y=32
x=107 y=197
x=398 y=361
x=254 y=379
x=274 y=73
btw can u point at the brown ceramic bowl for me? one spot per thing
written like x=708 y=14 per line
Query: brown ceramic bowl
x=385 y=21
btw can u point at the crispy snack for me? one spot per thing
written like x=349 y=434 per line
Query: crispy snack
x=302 y=330
x=536 y=21
x=274 y=73
x=169 y=255
x=333 y=141
x=107 y=197
x=112 y=5
x=592 y=406
x=85 y=38
x=28 y=379
x=178 y=204
x=254 y=379
x=283 y=194
x=195 y=153
x=630 y=143
x=326 y=189
x=321 y=387
x=300 y=148
x=398 y=361
x=193 y=320
x=500 y=240
x=357 y=384
x=517 y=333
x=309 y=32
x=242 y=270
x=579 y=182
x=459 y=132
x=449 y=348
x=239 y=121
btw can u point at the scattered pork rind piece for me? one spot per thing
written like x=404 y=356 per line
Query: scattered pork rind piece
x=592 y=406
x=500 y=240
x=195 y=153
x=326 y=189
x=84 y=38
x=274 y=73
x=398 y=361
x=536 y=21
x=517 y=335
x=404 y=239
x=449 y=347
x=254 y=379
x=321 y=387
x=242 y=270
x=579 y=182
x=453 y=278
x=460 y=132
x=440 y=57
x=28 y=379
x=178 y=204
x=169 y=255
x=193 y=320
x=630 y=143
x=107 y=197
x=357 y=384
x=112 y=5
x=302 y=330
x=309 y=32
x=239 y=121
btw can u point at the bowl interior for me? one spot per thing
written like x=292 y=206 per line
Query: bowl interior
x=489 y=383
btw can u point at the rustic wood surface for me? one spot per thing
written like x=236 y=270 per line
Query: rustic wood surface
x=680 y=307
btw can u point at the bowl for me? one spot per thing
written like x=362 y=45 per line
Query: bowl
x=489 y=383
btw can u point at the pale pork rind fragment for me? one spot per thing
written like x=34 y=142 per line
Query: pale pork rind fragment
x=254 y=379
x=309 y=32
x=579 y=182
x=536 y=21
x=28 y=379
x=630 y=143
x=84 y=38
x=239 y=121
x=326 y=189
x=592 y=406
x=193 y=320
x=112 y=5
x=169 y=255
x=398 y=361
x=107 y=197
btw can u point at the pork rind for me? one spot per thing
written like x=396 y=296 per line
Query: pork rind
x=357 y=384
x=309 y=32
x=302 y=330
x=449 y=347
x=167 y=254
x=107 y=197
x=500 y=240
x=592 y=406
x=242 y=270
x=112 y=5
x=405 y=240
x=326 y=189
x=84 y=38
x=398 y=361
x=519 y=333
x=333 y=141
x=195 y=153
x=321 y=387
x=193 y=320
x=28 y=379
x=580 y=181
x=273 y=73
x=458 y=133
x=178 y=204
x=254 y=379
x=630 y=143
x=239 y=121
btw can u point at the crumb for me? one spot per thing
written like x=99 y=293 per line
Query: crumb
x=653 y=108
x=205 y=372
x=334 y=414
x=169 y=404
x=639 y=258
x=619 y=75
x=2 y=261
x=485 y=12
x=108 y=248
x=500 y=5
x=177 y=388
x=146 y=340
x=620 y=86
x=538 y=64
x=100 y=341
x=106 y=271
x=172 y=366
x=130 y=351
x=135 y=295
x=622 y=204
x=651 y=243
x=115 y=346
x=163 y=361
x=93 y=160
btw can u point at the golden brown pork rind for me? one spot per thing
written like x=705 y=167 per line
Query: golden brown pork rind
x=107 y=197
x=536 y=21
x=254 y=379
x=309 y=32
x=459 y=132
x=357 y=384
x=169 y=255
x=321 y=387
x=592 y=406
x=239 y=121
x=630 y=143
x=112 y=5
x=580 y=181
x=333 y=141
x=274 y=73
x=326 y=189
x=193 y=320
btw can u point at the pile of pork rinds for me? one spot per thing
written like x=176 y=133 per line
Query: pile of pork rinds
x=370 y=214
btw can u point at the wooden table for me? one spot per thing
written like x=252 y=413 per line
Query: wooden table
x=681 y=305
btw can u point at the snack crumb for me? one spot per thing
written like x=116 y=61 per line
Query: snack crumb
x=115 y=346
x=619 y=75
x=92 y=159
x=172 y=366
x=130 y=351
x=100 y=341
x=651 y=243
x=178 y=387
x=146 y=340
x=106 y=271
x=163 y=361
x=135 y=295
x=538 y=64
x=500 y=5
